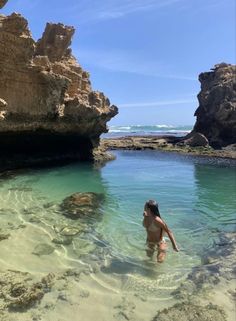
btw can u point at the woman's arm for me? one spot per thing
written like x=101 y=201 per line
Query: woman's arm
x=145 y=223
x=169 y=233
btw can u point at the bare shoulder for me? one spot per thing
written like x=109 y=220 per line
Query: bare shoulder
x=160 y=222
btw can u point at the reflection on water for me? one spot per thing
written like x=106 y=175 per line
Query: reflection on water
x=196 y=199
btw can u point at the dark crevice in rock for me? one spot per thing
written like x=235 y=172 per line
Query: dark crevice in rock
x=44 y=142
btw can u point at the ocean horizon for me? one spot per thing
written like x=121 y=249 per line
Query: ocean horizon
x=145 y=130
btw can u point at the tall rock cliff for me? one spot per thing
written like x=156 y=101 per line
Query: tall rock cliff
x=47 y=105
x=216 y=114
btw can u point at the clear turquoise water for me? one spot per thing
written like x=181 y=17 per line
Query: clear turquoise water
x=196 y=197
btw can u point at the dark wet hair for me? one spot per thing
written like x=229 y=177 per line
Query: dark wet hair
x=153 y=206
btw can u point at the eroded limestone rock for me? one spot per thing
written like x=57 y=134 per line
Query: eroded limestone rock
x=216 y=114
x=51 y=108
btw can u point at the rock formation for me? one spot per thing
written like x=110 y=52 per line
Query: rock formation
x=216 y=114
x=194 y=139
x=47 y=106
x=2 y=3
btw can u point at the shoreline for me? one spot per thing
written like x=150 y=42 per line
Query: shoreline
x=164 y=143
x=103 y=153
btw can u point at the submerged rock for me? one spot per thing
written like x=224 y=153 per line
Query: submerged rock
x=218 y=264
x=4 y=236
x=190 y=312
x=43 y=249
x=70 y=231
x=64 y=240
x=81 y=205
x=18 y=291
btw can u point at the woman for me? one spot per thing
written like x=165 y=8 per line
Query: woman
x=156 y=228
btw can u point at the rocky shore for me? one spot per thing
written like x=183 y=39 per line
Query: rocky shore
x=49 y=113
x=167 y=144
x=214 y=133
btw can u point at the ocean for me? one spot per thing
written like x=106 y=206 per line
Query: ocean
x=104 y=273
x=142 y=130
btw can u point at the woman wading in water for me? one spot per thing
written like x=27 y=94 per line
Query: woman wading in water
x=156 y=228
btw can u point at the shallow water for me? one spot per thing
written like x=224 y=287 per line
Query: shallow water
x=196 y=197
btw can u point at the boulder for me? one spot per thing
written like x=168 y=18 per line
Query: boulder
x=194 y=139
x=81 y=205
x=216 y=114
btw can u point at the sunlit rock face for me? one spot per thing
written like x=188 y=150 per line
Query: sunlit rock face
x=47 y=104
x=216 y=114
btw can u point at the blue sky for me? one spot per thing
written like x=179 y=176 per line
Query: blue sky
x=145 y=55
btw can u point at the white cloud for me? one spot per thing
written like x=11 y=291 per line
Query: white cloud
x=128 y=62
x=160 y=103
x=91 y=10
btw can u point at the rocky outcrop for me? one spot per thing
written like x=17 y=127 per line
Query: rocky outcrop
x=194 y=144
x=216 y=114
x=2 y=3
x=47 y=105
x=194 y=139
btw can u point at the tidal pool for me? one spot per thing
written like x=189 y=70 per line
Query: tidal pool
x=98 y=264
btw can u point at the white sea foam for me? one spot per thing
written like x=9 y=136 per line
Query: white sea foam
x=149 y=129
